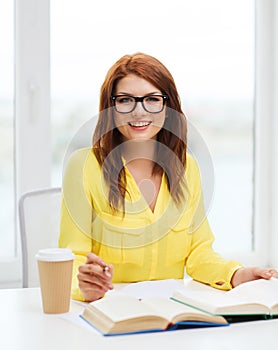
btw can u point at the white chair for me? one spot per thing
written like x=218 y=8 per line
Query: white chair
x=39 y=221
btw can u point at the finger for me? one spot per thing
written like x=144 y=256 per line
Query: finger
x=95 y=259
x=108 y=270
x=111 y=268
x=101 y=270
x=264 y=273
x=91 y=292
x=94 y=285
x=85 y=286
x=95 y=270
x=94 y=280
x=273 y=273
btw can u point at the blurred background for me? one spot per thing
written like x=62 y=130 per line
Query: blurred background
x=208 y=46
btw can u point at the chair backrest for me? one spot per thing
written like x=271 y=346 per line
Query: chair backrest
x=39 y=221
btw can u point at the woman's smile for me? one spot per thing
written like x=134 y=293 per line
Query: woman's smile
x=139 y=125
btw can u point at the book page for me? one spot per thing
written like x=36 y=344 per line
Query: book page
x=258 y=291
x=119 y=307
x=169 y=309
x=245 y=298
x=210 y=302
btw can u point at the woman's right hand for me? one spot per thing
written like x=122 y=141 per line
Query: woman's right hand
x=95 y=277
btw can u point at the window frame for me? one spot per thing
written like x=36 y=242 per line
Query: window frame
x=31 y=113
x=265 y=236
x=33 y=129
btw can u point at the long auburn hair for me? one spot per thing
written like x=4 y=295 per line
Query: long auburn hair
x=173 y=134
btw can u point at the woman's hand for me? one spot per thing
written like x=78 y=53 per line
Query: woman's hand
x=246 y=274
x=95 y=277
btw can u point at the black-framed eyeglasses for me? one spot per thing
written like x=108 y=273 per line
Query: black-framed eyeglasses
x=127 y=103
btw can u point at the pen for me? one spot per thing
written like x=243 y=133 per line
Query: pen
x=105 y=269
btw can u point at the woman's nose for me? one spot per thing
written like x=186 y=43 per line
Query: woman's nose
x=139 y=109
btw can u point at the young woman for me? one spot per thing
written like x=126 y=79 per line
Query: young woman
x=132 y=204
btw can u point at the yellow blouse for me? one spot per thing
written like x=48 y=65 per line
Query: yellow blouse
x=143 y=244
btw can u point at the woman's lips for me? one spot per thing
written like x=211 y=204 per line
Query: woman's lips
x=139 y=124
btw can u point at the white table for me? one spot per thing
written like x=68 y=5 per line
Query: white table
x=23 y=325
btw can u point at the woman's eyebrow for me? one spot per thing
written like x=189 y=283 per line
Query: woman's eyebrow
x=128 y=93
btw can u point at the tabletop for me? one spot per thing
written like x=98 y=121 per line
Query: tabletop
x=23 y=325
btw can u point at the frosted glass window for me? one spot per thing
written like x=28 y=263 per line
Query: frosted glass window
x=7 y=203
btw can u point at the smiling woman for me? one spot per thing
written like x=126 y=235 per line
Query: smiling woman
x=140 y=75
x=209 y=48
x=106 y=180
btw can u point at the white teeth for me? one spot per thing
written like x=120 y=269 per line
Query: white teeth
x=138 y=124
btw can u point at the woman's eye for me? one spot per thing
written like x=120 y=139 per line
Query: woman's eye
x=153 y=99
x=125 y=99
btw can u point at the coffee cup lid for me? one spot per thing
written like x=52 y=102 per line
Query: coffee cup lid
x=55 y=254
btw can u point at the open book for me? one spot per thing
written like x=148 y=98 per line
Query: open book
x=121 y=314
x=255 y=299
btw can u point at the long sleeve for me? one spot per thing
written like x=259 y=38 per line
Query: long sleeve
x=205 y=265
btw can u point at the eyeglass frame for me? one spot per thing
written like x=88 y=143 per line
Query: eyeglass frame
x=139 y=99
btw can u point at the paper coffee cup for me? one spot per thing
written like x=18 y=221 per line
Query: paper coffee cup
x=55 y=272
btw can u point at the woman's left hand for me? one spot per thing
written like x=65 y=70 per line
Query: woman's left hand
x=246 y=274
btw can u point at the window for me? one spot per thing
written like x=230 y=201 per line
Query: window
x=209 y=48
x=7 y=197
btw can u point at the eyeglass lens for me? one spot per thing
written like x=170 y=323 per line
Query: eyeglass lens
x=151 y=103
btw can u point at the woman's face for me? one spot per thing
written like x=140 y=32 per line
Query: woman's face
x=138 y=124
